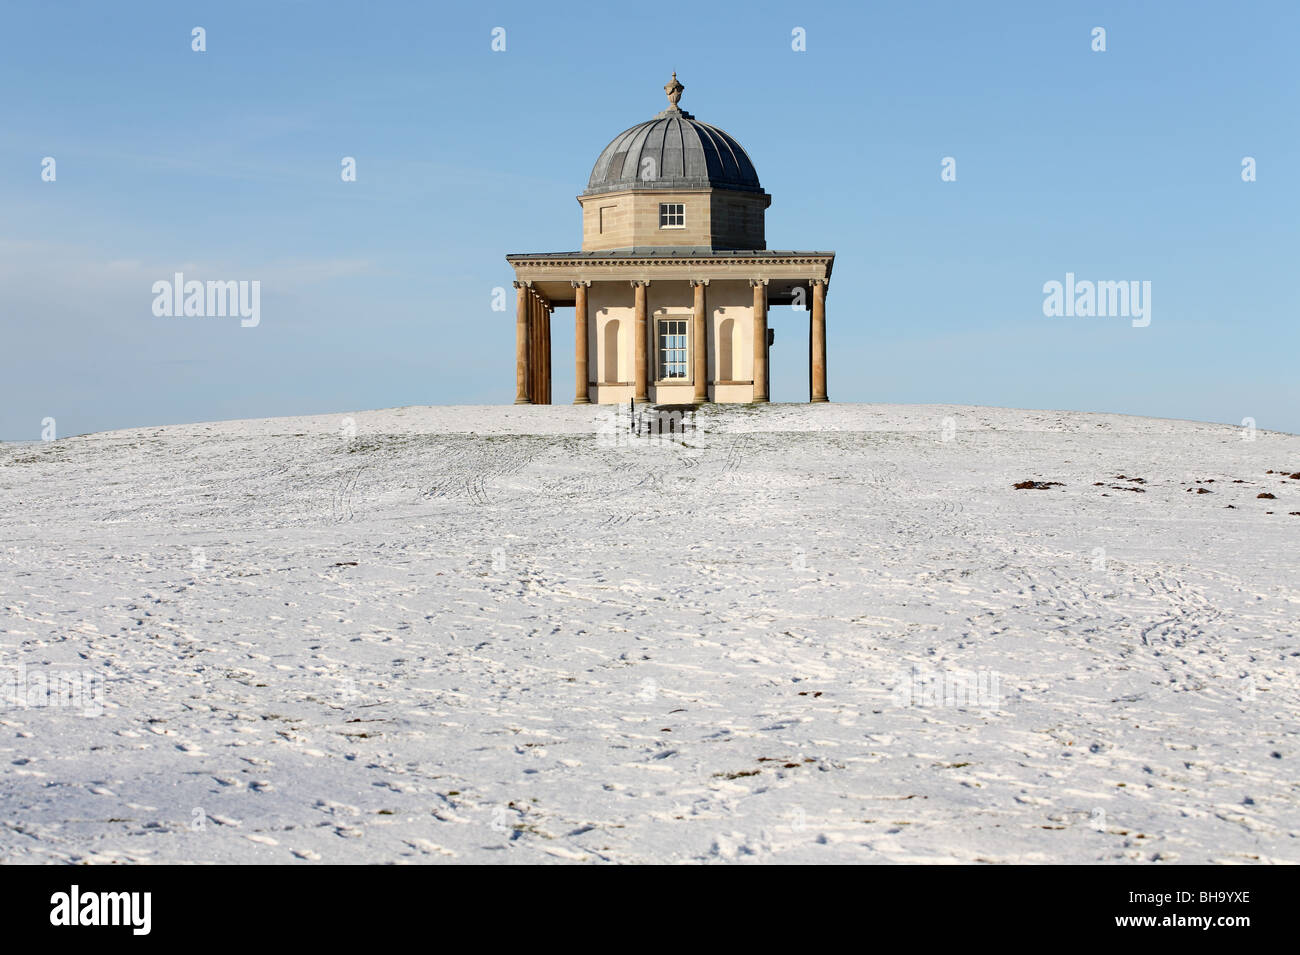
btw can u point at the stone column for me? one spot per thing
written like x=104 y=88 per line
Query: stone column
x=534 y=359
x=537 y=353
x=700 y=343
x=817 y=333
x=639 y=331
x=537 y=362
x=546 y=353
x=521 y=344
x=580 y=395
x=760 y=339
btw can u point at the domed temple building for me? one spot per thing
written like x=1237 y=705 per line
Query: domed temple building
x=672 y=286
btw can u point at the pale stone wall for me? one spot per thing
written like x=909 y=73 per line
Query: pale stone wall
x=674 y=394
x=610 y=341
x=714 y=219
x=730 y=312
x=612 y=394
x=731 y=340
x=736 y=220
x=671 y=296
x=623 y=220
x=733 y=394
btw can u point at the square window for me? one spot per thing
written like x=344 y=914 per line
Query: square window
x=672 y=215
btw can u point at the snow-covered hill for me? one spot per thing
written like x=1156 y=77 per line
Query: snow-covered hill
x=801 y=633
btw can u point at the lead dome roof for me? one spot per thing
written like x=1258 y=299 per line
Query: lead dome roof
x=673 y=150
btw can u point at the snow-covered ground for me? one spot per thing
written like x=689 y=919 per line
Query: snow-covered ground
x=500 y=634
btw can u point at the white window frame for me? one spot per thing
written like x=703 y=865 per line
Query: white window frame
x=672 y=210
x=666 y=353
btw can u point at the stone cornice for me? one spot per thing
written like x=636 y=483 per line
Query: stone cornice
x=595 y=259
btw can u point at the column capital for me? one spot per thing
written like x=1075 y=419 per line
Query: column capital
x=819 y=281
x=695 y=282
x=755 y=283
x=637 y=282
x=580 y=283
x=524 y=284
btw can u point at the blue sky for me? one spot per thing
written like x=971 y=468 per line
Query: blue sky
x=1122 y=165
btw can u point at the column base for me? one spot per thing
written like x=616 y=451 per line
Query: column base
x=522 y=401
x=582 y=401
x=818 y=401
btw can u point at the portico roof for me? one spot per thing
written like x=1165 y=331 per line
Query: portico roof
x=675 y=253
x=551 y=273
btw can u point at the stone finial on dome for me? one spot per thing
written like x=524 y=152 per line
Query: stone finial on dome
x=674 y=91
